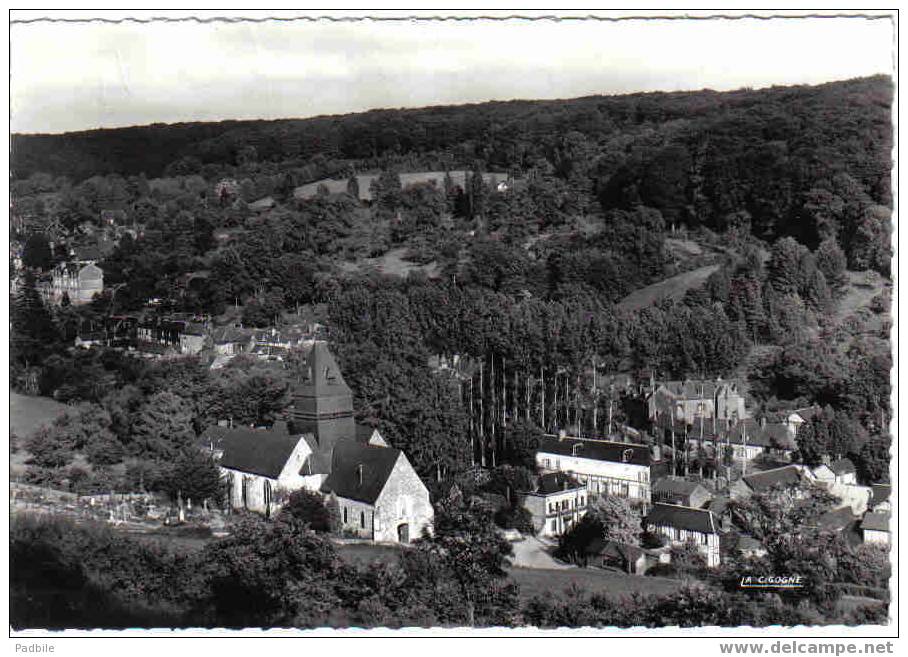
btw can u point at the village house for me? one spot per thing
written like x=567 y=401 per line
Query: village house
x=881 y=498
x=679 y=491
x=623 y=469
x=556 y=503
x=784 y=477
x=78 y=283
x=680 y=524
x=797 y=417
x=373 y=488
x=875 y=528
x=193 y=338
x=628 y=558
x=841 y=471
x=688 y=400
x=231 y=340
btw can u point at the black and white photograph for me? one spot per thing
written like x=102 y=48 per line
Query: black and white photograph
x=453 y=323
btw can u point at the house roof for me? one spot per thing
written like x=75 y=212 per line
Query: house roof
x=836 y=520
x=876 y=521
x=881 y=493
x=682 y=517
x=632 y=453
x=676 y=486
x=842 y=466
x=788 y=475
x=556 y=482
x=718 y=504
x=603 y=548
x=806 y=413
x=258 y=451
x=696 y=389
x=231 y=334
x=360 y=472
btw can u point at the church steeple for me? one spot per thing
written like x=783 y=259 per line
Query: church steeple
x=322 y=400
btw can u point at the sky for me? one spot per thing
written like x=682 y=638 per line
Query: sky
x=80 y=76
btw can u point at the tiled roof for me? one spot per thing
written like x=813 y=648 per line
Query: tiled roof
x=836 y=520
x=556 y=482
x=360 y=472
x=262 y=452
x=603 y=548
x=675 y=486
x=881 y=493
x=788 y=475
x=842 y=466
x=682 y=517
x=231 y=334
x=876 y=522
x=598 y=450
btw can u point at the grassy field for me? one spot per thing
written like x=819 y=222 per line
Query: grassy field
x=538 y=581
x=28 y=413
x=674 y=287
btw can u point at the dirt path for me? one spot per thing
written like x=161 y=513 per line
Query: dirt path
x=674 y=287
x=533 y=553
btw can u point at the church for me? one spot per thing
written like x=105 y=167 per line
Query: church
x=372 y=487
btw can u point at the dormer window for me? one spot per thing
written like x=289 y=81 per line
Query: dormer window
x=626 y=455
x=575 y=450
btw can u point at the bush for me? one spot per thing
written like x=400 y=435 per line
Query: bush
x=309 y=508
x=516 y=518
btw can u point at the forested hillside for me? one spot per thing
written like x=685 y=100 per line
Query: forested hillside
x=780 y=191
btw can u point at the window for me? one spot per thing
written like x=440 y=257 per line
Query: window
x=345 y=515
x=362 y=519
x=547 y=463
x=554 y=525
x=581 y=500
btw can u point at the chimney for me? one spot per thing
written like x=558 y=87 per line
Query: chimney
x=359 y=473
x=657 y=453
x=562 y=434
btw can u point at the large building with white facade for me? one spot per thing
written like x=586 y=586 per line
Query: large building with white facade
x=623 y=469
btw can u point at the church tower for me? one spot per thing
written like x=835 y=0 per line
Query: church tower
x=322 y=400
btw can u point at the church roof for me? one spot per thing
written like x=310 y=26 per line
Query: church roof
x=360 y=472
x=320 y=375
x=262 y=452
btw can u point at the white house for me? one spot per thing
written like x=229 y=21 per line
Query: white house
x=688 y=400
x=604 y=467
x=556 y=503
x=681 y=523
x=875 y=528
x=841 y=471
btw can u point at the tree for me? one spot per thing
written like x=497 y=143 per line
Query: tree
x=620 y=521
x=162 y=428
x=308 y=508
x=271 y=574
x=784 y=273
x=687 y=557
x=33 y=334
x=36 y=253
x=193 y=475
x=873 y=459
x=459 y=570
x=831 y=261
